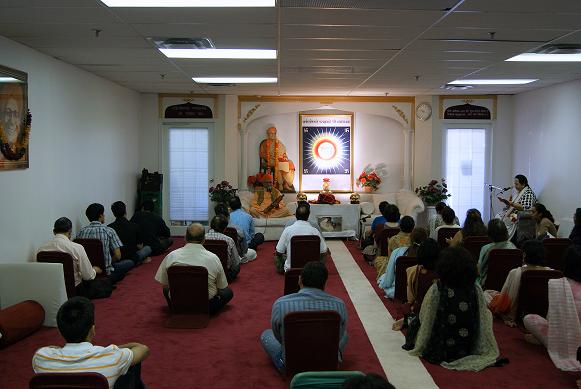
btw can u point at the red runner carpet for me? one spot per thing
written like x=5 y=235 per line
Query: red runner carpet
x=226 y=354
x=529 y=367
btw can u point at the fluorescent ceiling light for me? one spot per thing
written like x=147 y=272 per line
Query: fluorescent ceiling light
x=189 y=3
x=534 y=57
x=493 y=82
x=235 y=80
x=9 y=79
x=220 y=53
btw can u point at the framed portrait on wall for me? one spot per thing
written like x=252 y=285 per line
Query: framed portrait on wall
x=326 y=151
x=14 y=119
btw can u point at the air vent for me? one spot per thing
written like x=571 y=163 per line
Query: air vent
x=559 y=49
x=456 y=87
x=183 y=43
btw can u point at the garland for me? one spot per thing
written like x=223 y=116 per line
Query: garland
x=21 y=144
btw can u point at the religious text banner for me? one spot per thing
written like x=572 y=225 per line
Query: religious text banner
x=326 y=143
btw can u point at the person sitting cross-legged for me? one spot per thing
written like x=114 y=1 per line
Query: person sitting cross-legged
x=156 y=234
x=130 y=234
x=85 y=282
x=218 y=225
x=194 y=254
x=115 y=267
x=449 y=221
x=246 y=254
x=282 y=258
x=311 y=297
x=245 y=222
x=121 y=365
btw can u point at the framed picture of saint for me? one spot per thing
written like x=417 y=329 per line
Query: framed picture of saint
x=14 y=119
x=326 y=143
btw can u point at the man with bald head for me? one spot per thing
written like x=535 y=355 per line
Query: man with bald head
x=194 y=254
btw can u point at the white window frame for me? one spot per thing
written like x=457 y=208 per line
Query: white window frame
x=489 y=134
x=165 y=125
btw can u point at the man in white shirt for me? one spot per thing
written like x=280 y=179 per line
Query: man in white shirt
x=83 y=270
x=121 y=365
x=194 y=254
x=300 y=227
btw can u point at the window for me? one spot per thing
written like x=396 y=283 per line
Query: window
x=466 y=169
x=188 y=175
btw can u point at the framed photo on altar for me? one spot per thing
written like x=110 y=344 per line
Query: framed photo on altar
x=326 y=151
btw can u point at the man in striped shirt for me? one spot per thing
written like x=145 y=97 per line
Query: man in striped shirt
x=121 y=365
x=217 y=227
x=115 y=266
x=311 y=297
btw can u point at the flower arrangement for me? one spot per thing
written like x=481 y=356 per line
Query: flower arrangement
x=434 y=192
x=222 y=193
x=370 y=178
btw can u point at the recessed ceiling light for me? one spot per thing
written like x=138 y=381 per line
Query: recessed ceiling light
x=534 y=57
x=220 y=53
x=494 y=82
x=9 y=79
x=235 y=80
x=189 y=3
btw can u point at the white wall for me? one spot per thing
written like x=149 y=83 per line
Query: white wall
x=547 y=133
x=83 y=149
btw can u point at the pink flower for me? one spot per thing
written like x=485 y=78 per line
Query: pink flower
x=211 y=189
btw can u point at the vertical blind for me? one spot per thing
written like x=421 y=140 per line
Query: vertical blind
x=465 y=169
x=188 y=174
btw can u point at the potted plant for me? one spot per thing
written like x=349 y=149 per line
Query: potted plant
x=369 y=179
x=434 y=192
x=222 y=193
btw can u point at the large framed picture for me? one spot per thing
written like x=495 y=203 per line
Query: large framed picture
x=326 y=151
x=14 y=119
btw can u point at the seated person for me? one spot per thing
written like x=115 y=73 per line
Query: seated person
x=449 y=221
x=473 y=226
x=246 y=254
x=386 y=281
x=505 y=303
x=130 y=235
x=402 y=239
x=121 y=365
x=267 y=201
x=217 y=227
x=498 y=233
x=245 y=222
x=436 y=221
x=282 y=258
x=391 y=215
x=194 y=254
x=545 y=222
x=115 y=267
x=455 y=323
x=310 y=297
x=294 y=219
x=575 y=235
x=561 y=335
x=156 y=233
x=379 y=219
x=83 y=270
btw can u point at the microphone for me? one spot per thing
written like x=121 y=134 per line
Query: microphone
x=507 y=188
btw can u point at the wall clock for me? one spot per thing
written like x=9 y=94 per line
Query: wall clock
x=423 y=111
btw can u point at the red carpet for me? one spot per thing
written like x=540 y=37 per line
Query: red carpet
x=529 y=367
x=226 y=354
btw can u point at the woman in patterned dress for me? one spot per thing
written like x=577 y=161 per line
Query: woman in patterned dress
x=523 y=201
x=456 y=325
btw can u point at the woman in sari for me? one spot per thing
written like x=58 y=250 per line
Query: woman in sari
x=387 y=280
x=498 y=234
x=545 y=221
x=505 y=303
x=523 y=201
x=402 y=239
x=560 y=333
x=455 y=323
x=473 y=226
